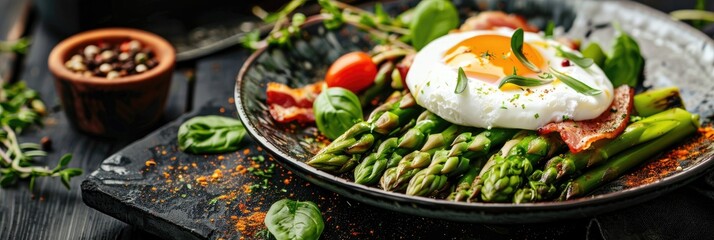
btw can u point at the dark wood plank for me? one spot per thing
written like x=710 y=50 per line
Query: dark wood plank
x=216 y=75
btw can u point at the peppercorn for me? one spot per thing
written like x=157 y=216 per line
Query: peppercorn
x=112 y=61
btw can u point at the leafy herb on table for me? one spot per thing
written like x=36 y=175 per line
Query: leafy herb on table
x=210 y=134
x=336 y=110
x=288 y=219
x=432 y=19
x=20 y=108
x=19 y=46
x=625 y=64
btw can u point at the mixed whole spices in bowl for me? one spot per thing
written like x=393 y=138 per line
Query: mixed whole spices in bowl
x=112 y=60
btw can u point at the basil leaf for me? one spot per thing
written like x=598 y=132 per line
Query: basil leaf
x=210 y=134
x=461 y=81
x=626 y=62
x=517 y=49
x=288 y=219
x=578 y=60
x=522 y=81
x=575 y=84
x=594 y=52
x=432 y=19
x=336 y=110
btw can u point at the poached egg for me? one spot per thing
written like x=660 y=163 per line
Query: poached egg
x=486 y=58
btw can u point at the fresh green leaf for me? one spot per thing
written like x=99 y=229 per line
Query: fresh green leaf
x=8 y=179
x=517 y=49
x=549 y=29
x=73 y=172
x=382 y=16
x=251 y=40
x=298 y=19
x=405 y=18
x=65 y=179
x=367 y=20
x=335 y=19
x=336 y=110
x=575 y=84
x=594 y=52
x=210 y=134
x=32 y=182
x=64 y=160
x=432 y=19
x=522 y=81
x=625 y=64
x=578 y=60
x=461 y=81
x=284 y=11
x=288 y=220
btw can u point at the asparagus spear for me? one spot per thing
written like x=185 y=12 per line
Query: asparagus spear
x=380 y=82
x=392 y=180
x=448 y=163
x=372 y=167
x=559 y=167
x=501 y=180
x=344 y=152
x=685 y=125
x=647 y=103
x=657 y=100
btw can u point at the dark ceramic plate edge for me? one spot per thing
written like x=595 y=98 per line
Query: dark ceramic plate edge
x=489 y=212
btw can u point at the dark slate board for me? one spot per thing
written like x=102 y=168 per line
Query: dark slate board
x=126 y=188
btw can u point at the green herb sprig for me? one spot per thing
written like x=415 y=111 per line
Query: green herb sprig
x=517 y=49
x=20 y=108
x=335 y=13
x=461 y=81
x=522 y=81
x=575 y=84
x=19 y=46
x=583 y=62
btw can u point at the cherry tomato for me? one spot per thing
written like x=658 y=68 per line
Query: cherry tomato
x=354 y=71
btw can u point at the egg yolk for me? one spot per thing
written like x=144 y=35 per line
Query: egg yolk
x=489 y=58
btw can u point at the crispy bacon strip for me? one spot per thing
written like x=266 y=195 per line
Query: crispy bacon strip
x=290 y=114
x=488 y=20
x=579 y=135
x=285 y=96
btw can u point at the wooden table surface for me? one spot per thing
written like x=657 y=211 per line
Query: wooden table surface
x=52 y=212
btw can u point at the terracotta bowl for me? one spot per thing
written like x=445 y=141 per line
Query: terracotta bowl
x=121 y=107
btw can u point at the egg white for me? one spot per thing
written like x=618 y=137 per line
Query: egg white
x=482 y=104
